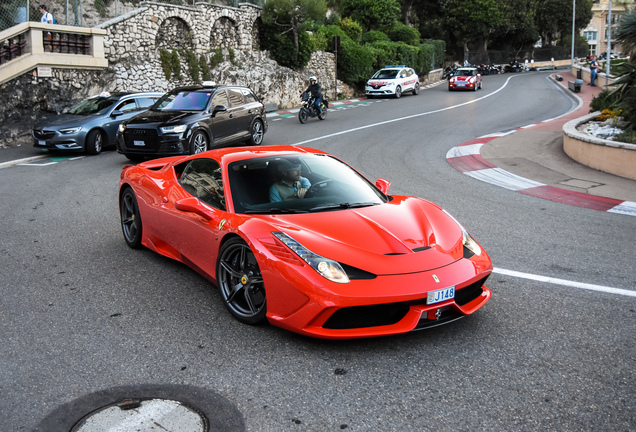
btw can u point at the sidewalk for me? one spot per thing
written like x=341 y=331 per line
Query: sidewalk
x=531 y=160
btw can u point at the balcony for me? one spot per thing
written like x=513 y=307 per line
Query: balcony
x=29 y=45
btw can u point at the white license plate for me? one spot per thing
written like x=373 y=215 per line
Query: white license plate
x=461 y=84
x=42 y=143
x=441 y=295
x=139 y=143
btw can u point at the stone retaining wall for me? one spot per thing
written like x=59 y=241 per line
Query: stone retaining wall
x=604 y=155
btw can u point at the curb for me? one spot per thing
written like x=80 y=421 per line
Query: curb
x=21 y=161
x=467 y=159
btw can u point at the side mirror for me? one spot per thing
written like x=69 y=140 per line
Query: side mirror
x=116 y=113
x=193 y=205
x=218 y=109
x=383 y=185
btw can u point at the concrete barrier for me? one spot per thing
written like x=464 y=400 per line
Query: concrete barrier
x=604 y=155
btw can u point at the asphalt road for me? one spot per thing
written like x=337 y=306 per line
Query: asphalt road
x=81 y=312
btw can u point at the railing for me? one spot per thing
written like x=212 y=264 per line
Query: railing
x=28 y=45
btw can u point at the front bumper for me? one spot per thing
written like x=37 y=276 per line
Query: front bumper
x=53 y=140
x=385 y=305
x=148 y=142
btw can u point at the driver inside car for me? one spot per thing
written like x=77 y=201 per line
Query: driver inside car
x=289 y=184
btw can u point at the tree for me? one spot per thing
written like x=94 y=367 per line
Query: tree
x=372 y=14
x=473 y=21
x=293 y=16
x=554 y=18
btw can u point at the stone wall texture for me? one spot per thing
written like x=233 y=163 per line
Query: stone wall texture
x=132 y=47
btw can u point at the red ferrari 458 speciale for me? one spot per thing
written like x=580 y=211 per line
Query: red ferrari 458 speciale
x=297 y=237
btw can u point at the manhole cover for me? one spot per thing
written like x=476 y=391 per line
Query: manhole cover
x=143 y=416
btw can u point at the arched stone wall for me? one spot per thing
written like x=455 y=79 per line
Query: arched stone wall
x=174 y=33
x=224 y=34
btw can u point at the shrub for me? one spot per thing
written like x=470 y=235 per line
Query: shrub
x=205 y=68
x=193 y=66
x=402 y=33
x=604 y=100
x=281 y=47
x=355 y=62
x=375 y=36
x=351 y=28
x=217 y=58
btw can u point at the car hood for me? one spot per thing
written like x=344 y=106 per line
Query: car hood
x=65 y=120
x=162 y=117
x=462 y=78
x=380 y=81
x=404 y=236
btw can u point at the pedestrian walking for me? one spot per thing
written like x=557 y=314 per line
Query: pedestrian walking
x=593 y=71
x=47 y=17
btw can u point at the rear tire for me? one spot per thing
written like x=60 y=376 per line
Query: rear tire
x=94 y=142
x=416 y=89
x=130 y=218
x=323 y=111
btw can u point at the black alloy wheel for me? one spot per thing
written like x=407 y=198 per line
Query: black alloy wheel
x=130 y=219
x=94 y=142
x=241 y=283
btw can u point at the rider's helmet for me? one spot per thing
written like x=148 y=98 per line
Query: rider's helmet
x=312 y=78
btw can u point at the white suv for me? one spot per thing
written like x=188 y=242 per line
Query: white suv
x=393 y=80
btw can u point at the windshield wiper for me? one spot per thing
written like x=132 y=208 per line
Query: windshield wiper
x=343 y=206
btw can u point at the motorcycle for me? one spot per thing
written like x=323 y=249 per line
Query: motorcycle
x=308 y=108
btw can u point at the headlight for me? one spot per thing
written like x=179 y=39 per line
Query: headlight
x=327 y=268
x=390 y=83
x=70 y=130
x=173 y=129
x=121 y=128
x=468 y=240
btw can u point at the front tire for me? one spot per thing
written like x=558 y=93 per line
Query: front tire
x=302 y=115
x=398 y=92
x=241 y=283
x=130 y=218
x=94 y=142
x=256 y=133
x=200 y=143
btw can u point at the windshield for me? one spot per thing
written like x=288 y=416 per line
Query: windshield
x=183 y=101
x=465 y=72
x=96 y=105
x=271 y=185
x=386 y=74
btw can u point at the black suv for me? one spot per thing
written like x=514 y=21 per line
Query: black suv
x=190 y=120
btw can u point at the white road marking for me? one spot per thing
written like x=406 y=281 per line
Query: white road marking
x=564 y=282
x=406 y=117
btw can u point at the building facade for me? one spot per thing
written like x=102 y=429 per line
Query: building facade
x=602 y=26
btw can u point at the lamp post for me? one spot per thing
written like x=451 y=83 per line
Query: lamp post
x=573 y=21
x=609 y=44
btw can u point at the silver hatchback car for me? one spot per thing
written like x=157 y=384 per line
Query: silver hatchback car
x=92 y=124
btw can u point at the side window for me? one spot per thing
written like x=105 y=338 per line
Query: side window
x=403 y=74
x=236 y=97
x=248 y=95
x=127 y=106
x=145 y=102
x=202 y=178
x=220 y=98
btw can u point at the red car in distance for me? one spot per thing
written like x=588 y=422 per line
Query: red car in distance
x=465 y=78
x=337 y=258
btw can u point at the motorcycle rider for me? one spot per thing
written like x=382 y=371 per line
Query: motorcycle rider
x=315 y=91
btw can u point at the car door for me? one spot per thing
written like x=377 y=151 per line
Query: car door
x=123 y=110
x=220 y=123
x=193 y=219
x=239 y=114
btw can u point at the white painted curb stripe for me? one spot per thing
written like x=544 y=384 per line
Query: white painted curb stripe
x=555 y=281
